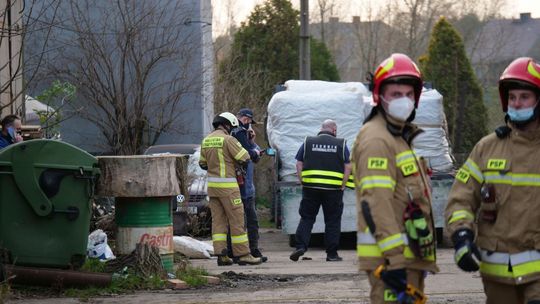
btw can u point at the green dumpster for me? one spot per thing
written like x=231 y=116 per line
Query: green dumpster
x=45 y=208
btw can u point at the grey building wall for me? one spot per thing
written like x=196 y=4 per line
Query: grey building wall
x=192 y=116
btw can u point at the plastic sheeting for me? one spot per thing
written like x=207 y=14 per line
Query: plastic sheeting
x=300 y=110
x=432 y=145
x=192 y=248
x=430 y=112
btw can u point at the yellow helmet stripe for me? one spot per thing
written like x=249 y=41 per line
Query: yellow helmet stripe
x=532 y=70
x=386 y=67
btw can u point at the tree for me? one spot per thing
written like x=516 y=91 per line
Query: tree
x=133 y=65
x=448 y=67
x=322 y=64
x=265 y=53
x=323 y=10
x=60 y=93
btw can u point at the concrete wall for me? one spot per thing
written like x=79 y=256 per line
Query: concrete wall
x=192 y=115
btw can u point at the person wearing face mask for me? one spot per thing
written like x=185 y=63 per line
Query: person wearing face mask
x=11 y=131
x=245 y=135
x=493 y=211
x=323 y=168
x=395 y=224
x=221 y=155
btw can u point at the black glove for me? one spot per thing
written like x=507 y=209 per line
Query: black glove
x=395 y=279
x=467 y=256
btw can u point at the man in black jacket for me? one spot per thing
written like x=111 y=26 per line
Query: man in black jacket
x=323 y=168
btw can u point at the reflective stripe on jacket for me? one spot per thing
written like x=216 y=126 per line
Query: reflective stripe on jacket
x=324 y=162
x=510 y=241
x=386 y=170
x=368 y=247
x=221 y=154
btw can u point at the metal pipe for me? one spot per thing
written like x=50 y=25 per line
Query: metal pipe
x=55 y=277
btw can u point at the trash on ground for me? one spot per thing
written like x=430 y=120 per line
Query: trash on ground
x=98 y=247
x=192 y=248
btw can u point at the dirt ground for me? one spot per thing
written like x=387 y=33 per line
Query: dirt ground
x=311 y=280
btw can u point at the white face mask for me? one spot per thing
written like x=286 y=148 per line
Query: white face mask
x=399 y=108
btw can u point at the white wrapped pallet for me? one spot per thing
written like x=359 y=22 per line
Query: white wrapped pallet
x=430 y=112
x=300 y=110
x=432 y=143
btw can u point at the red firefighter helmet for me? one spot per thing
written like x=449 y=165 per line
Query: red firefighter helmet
x=522 y=73
x=398 y=68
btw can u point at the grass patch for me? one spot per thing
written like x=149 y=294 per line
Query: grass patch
x=262 y=202
x=192 y=275
x=93 y=265
x=121 y=284
x=266 y=223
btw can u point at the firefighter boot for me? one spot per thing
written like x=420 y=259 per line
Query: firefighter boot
x=248 y=259
x=224 y=260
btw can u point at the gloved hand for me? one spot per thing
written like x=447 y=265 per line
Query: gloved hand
x=467 y=256
x=418 y=231
x=397 y=281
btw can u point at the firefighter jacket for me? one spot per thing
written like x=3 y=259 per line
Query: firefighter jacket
x=324 y=162
x=221 y=154
x=497 y=191
x=387 y=172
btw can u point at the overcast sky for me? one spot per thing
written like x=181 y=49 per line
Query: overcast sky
x=242 y=8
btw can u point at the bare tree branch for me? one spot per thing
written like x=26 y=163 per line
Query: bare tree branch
x=133 y=64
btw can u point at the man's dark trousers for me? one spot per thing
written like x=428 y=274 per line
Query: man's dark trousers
x=252 y=225
x=332 y=205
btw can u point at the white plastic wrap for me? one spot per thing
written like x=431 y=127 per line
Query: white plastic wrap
x=430 y=111
x=192 y=248
x=300 y=110
x=432 y=145
x=310 y=86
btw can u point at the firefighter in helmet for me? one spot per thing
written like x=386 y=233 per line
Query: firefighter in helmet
x=493 y=212
x=395 y=226
x=221 y=154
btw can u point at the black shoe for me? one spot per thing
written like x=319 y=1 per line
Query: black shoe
x=334 y=258
x=297 y=254
x=257 y=253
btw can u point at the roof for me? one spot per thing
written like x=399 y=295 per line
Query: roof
x=347 y=44
x=507 y=39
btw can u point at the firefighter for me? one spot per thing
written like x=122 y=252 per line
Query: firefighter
x=496 y=196
x=221 y=154
x=323 y=169
x=395 y=225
